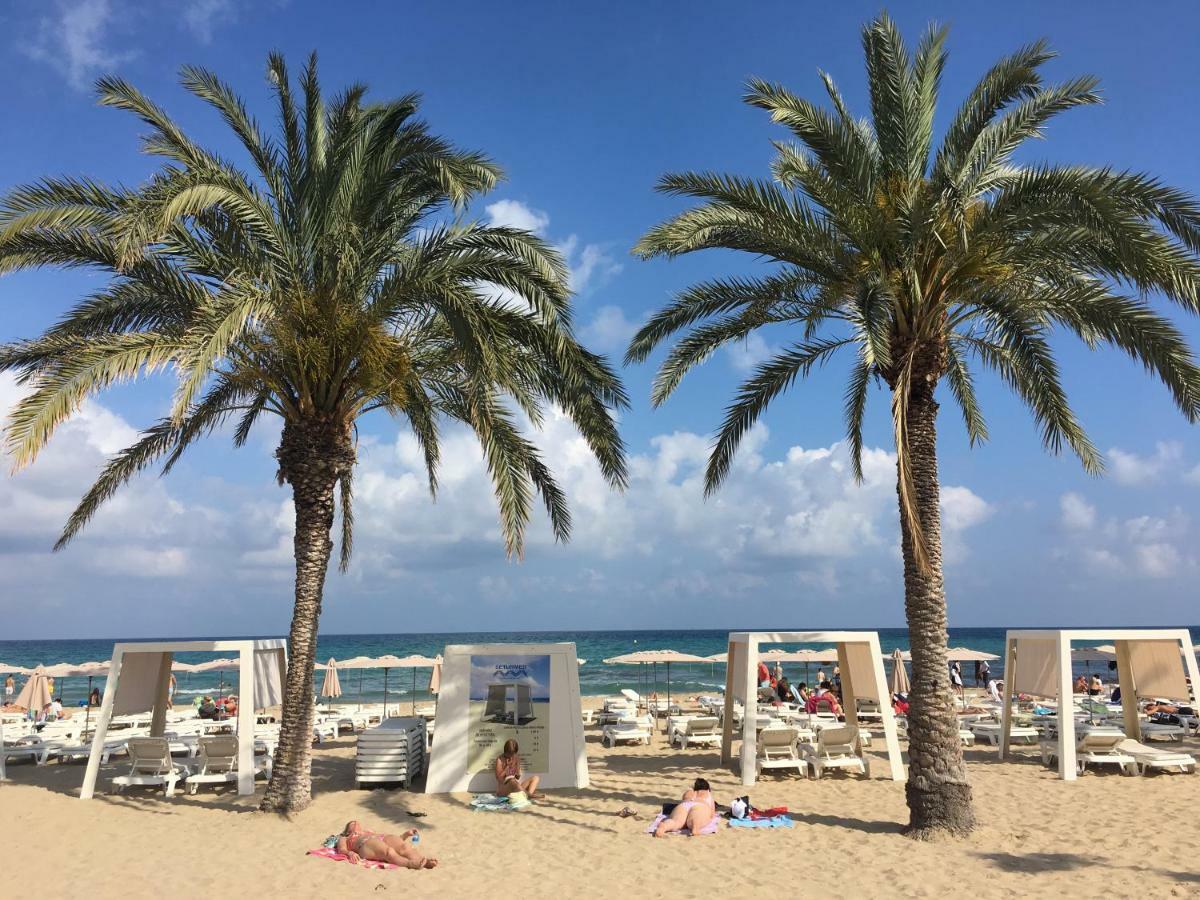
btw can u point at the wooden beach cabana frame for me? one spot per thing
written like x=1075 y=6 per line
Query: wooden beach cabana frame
x=139 y=678
x=1150 y=662
x=860 y=661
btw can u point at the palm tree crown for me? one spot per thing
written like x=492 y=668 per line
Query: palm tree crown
x=317 y=289
x=924 y=259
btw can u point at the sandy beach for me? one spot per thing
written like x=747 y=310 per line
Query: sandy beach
x=1120 y=836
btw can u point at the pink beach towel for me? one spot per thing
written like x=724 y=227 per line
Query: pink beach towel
x=328 y=853
x=710 y=828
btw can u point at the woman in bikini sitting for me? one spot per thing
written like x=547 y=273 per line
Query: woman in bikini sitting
x=508 y=773
x=358 y=844
x=696 y=810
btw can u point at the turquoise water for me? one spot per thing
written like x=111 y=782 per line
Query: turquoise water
x=595 y=678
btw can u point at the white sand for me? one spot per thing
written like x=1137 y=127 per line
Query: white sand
x=1101 y=835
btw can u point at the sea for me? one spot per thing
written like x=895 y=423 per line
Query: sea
x=595 y=678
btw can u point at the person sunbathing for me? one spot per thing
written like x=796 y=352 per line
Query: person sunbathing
x=695 y=811
x=358 y=844
x=508 y=773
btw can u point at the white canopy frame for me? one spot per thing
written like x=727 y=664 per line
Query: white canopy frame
x=860 y=661
x=135 y=661
x=1046 y=671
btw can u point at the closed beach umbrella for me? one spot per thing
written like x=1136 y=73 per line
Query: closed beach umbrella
x=36 y=693
x=435 y=677
x=331 y=687
x=899 y=683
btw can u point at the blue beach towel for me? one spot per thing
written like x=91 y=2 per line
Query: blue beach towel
x=773 y=822
x=490 y=803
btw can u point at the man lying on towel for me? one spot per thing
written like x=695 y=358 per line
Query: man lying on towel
x=696 y=810
x=358 y=844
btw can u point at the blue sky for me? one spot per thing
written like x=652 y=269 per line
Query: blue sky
x=585 y=107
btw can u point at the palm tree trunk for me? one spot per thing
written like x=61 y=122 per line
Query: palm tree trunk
x=939 y=797
x=312 y=457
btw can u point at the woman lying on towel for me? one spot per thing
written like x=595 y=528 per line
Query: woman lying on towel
x=508 y=774
x=696 y=809
x=389 y=848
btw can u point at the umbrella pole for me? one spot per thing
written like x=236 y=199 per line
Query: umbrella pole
x=385 y=715
x=414 y=693
x=360 y=675
x=87 y=717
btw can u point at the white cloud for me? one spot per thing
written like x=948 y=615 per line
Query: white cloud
x=74 y=39
x=1193 y=477
x=609 y=330
x=1133 y=470
x=590 y=264
x=962 y=508
x=515 y=214
x=203 y=16
x=749 y=352
x=1077 y=513
x=1142 y=546
x=1158 y=560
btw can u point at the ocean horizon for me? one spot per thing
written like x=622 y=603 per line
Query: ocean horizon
x=595 y=678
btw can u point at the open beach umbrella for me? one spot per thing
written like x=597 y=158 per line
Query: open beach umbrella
x=331 y=687
x=413 y=662
x=964 y=654
x=1088 y=655
x=657 y=656
x=89 y=670
x=899 y=682
x=360 y=663
x=220 y=666
x=36 y=692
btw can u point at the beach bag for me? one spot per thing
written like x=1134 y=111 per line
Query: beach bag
x=740 y=808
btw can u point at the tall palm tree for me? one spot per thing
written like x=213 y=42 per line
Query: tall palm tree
x=919 y=261
x=317 y=289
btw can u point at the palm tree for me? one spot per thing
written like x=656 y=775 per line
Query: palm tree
x=920 y=263
x=318 y=289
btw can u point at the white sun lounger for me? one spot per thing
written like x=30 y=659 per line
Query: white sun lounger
x=151 y=764
x=638 y=730
x=777 y=749
x=699 y=730
x=216 y=762
x=836 y=748
x=67 y=753
x=1148 y=758
x=1095 y=748
x=990 y=732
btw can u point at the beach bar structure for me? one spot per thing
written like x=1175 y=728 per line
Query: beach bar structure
x=1150 y=663
x=860 y=661
x=139 y=679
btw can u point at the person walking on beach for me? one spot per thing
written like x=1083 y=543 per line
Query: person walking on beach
x=957 y=682
x=985 y=672
x=171 y=686
x=10 y=688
